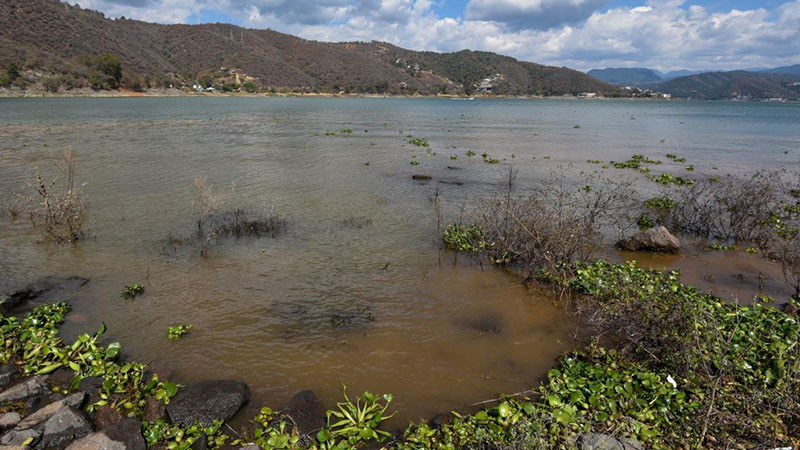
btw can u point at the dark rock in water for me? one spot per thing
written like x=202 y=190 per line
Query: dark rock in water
x=598 y=441
x=421 y=177
x=453 y=182
x=124 y=435
x=9 y=420
x=7 y=374
x=454 y=168
x=62 y=377
x=492 y=323
x=306 y=410
x=45 y=413
x=441 y=419
x=91 y=386
x=200 y=444
x=208 y=401
x=25 y=389
x=789 y=309
x=38 y=290
x=63 y=427
x=154 y=409
x=656 y=239
x=18 y=437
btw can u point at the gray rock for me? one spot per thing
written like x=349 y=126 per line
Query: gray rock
x=656 y=239
x=599 y=441
x=25 y=389
x=45 y=413
x=123 y=435
x=9 y=420
x=306 y=411
x=208 y=401
x=96 y=441
x=18 y=438
x=250 y=447
x=63 y=427
x=7 y=373
x=91 y=386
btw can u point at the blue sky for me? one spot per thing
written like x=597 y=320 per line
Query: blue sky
x=582 y=34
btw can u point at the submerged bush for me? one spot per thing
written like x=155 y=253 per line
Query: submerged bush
x=59 y=215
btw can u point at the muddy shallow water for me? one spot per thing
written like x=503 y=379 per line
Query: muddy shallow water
x=356 y=291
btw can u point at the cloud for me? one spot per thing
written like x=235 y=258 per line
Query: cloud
x=536 y=14
x=663 y=35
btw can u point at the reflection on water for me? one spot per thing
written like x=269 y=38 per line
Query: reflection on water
x=355 y=291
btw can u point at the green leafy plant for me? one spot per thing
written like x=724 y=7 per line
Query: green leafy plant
x=353 y=423
x=465 y=238
x=177 y=437
x=132 y=291
x=176 y=331
x=418 y=142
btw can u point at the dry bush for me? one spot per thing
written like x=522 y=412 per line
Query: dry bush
x=548 y=232
x=240 y=223
x=206 y=202
x=59 y=215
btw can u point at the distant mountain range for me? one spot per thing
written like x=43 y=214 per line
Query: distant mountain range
x=58 y=46
x=779 y=82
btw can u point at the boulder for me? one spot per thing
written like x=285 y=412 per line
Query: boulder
x=18 y=438
x=7 y=374
x=599 y=441
x=25 y=389
x=154 y=409
x=208 y=401
x=492 y=323
x=91 y=386
x=306 y=411
x=124 y=435
x=9 y=420
x=63 y=427
x=656 y=239
x=105 y=417
x=46 y=412
x=37 y=291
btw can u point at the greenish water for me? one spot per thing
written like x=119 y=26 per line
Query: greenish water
x=268 y=311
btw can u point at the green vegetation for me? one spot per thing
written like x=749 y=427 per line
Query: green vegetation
x=465 y=238
x=132 y=291
x=470 y=153
x=667 y=178
x=645 y=222
x=11 y=75
x=176 y=437
x=418 y=142
x=724 y=247
x=176 y=331
x=635 y=162
x=33 y=343
x=105 y=71
x=414 y=162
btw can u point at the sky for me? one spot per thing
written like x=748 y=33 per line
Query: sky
x=581 y=34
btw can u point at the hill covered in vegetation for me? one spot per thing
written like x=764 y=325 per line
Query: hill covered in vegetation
x=736 y=84
x=56 y=46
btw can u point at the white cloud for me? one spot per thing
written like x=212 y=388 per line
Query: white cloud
x=536 y=14
x=663 y=35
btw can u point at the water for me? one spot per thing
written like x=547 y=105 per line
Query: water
x=377 y=307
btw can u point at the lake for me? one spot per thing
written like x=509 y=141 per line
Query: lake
x=356 y=291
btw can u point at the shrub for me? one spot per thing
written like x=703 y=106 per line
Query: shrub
x=59 y=215
x=206 y=202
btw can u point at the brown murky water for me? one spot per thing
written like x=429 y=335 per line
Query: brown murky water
x=356 y=291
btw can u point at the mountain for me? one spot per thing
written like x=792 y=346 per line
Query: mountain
x=626 y=75
x=791 y=70
x=681 y=73
x=58 y=46
x=735 y=84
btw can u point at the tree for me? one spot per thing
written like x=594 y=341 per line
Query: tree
x=106 y=71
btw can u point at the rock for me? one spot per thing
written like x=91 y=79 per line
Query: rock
x=421 y=177
x=25 y=389
x=306 y=410
x=7 y=374
x=123 y=435
x=16 y=299
x=598 y=441
x=106 y=416
x=208 y=401
x=18 y=438
x=45 y=413
x=200 y=444
x=250 y=447
x=656 y=239
x=96 y=441
x=61 y=378
x=789 y=309
x=91 y=386
x=9 y=420
x=492 y=323
x=37 y=291
x=63 y=427
x=154 y=409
